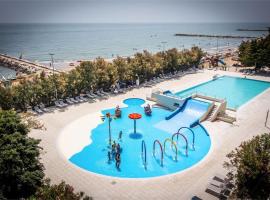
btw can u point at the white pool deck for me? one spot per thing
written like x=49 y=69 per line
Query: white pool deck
x=182 y=185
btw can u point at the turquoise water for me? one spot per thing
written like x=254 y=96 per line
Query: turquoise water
x=236 y=91
x=87 y=41
x=94 y=156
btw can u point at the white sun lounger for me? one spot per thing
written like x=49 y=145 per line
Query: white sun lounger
x=69 y=101
x=94 y=95
x=37 y=110
x=62 y=103
x=57 y=104
x=43 y=108
x=74 y=100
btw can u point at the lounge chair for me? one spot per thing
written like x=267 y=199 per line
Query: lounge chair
x=69 y=101
x=74 y=100
x=79 y=99
x=105 y=93
x=43 y=108
x=62 y=103
x=83 y=98
x=37 y=110
x=215 y=191
x=100 y=94
x=89 y=95
x=57 y=104
x=94 y=95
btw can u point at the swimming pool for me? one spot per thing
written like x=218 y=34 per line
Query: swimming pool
x=136 y=163
x=236 y=91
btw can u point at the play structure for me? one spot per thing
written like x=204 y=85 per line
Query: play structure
x=148 y=110
x=117 y=112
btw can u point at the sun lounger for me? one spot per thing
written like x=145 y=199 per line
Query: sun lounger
x=89 y=95
x=82 y=98
x=105 y=93
x=79 y=99
x=74 y=100
x=94 y=95
x=213 y=190
x=69 y=101
x=37 y=110
x=61 y=102
x=100 y=94
x=57 y=104
x=43 y=108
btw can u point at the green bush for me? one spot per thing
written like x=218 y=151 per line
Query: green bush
x=249 y=167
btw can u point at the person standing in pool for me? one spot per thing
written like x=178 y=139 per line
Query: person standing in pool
x=109 y=156
x=117 y=160
x=118 y=148
x=120 y=135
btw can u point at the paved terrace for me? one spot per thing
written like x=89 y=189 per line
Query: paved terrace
x=183 y=185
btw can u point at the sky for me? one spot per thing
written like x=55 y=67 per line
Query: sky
x=133 y=11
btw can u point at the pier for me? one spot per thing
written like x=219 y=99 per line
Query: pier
x=22 y=66
x=214 y=36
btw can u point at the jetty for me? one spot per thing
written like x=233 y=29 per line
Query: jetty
x=213 y=36
x=255 y=30
x=22 y=66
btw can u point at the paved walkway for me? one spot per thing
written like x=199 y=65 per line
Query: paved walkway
x=183 y=185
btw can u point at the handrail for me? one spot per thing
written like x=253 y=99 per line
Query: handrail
x=172 y=144
x=143 y=154
x=193 y=134
x=161 y=150
x=176 y=134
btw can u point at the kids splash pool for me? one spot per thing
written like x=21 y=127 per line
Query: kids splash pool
x=160 y=149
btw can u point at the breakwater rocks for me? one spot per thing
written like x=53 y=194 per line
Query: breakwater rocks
x=22 y=67
x=212 y=36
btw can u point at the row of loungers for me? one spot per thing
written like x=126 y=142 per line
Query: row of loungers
x=219 y=187
x=102 y=94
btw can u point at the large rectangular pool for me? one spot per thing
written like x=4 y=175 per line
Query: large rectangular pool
x=236 y=91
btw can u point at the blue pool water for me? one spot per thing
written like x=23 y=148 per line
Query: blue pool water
x=236 y=91
x=94 y=156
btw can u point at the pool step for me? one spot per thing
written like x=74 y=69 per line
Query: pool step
x=212 y=112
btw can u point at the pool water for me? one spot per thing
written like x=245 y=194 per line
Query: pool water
x=94 y=156
x=236 y=91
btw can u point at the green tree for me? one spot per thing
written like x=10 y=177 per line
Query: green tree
x=60 y=191
x=255 y=52
x=21 y=173
x=249 y=168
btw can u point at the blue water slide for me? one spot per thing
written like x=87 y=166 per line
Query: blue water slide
x=178 y=110
x=189 y=113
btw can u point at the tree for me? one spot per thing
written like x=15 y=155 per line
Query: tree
x=249 y=168
x=255 y=52
x=61 y=191
x=21 y=173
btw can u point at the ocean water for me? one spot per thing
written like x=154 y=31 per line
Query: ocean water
x=71 y=42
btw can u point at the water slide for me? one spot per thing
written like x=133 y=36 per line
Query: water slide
x=186 y=115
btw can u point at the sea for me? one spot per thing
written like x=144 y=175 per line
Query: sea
x=71 y=42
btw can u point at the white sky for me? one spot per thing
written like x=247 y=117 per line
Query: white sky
x=126 y=11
